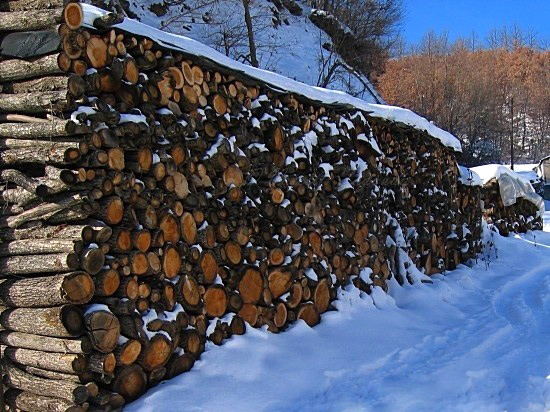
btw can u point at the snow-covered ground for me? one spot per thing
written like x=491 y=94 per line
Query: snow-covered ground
x=477 y=339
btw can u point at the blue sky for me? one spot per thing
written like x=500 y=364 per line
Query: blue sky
x=460 y=17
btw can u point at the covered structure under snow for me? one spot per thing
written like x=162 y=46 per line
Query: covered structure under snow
x=509 y=199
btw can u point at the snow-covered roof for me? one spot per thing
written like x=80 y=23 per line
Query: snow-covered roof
x=511 y=184
x=274 y=80
x=543 y=159
x=523 y=167
x=494 y=171
x=468 y=177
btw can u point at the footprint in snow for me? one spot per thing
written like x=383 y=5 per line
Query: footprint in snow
x=515 y=310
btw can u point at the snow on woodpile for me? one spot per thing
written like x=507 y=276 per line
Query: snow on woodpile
x=509 y=199
x=512 y=185
x=277 y=81
x=469 y=206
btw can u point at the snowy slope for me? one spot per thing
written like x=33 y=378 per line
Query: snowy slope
x=291 y=48
x=476 y=339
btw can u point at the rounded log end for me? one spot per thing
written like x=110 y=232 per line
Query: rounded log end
x=115 y=211
x=179 y=365
x=215 y=301
x=68 y=177
x=156 y=354
x=130 y=352
x=104 y=330
x=109 y=364
x=130 y=382
x=78 y=287
x=251 y=285
x=72 y=319
x=80 y=395
x=73 y=16
x=171 y=262
x=111 y=282
x=93 y=261
x=72 y=155
x=103 y=234
x=309 y=314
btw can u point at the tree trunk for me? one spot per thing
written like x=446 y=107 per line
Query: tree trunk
x=87 y=233
x=34 y=264
x=36 y=247
x=57 y=362
x=44 y=102
x=41 y=84
x=84 y=378
x=44 y=210
x=54 y=153
x=49 y=129
x=250 y=33
x=19 y=5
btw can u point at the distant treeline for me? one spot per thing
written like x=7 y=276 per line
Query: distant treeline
x=487 y=96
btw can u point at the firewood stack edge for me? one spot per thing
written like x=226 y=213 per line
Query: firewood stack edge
x=155 y=202
x=518 y=217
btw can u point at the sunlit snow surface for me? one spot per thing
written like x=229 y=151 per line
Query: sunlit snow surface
x=478 y=339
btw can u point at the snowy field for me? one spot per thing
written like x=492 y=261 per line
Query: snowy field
x=477 y=339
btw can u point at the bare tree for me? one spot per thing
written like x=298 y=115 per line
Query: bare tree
x=469 y=90
x=363 y=32
x=250 y=33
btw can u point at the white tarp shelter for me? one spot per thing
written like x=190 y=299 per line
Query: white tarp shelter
x=512 y=185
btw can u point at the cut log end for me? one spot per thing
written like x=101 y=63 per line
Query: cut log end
x=73 y=16
x=156 y=353
x=104 y=329
x=72 y=319
x=251 y=285
x=78 y=287
x=130 y=382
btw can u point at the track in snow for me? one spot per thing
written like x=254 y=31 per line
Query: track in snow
x=478 y=339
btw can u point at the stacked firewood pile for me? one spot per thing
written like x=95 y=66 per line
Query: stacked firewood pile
x=154 y=202
x=519 y=217
x=469 y=219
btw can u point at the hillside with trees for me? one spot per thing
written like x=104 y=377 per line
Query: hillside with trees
x=495 y=98
x=337 y=44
